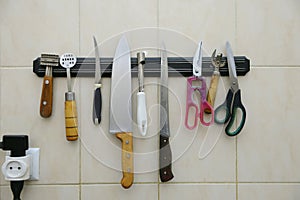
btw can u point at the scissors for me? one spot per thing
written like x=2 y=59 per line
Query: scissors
x=191 y=87
x=233 y=100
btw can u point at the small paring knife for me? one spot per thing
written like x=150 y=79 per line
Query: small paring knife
x=120 y=122
x=97 y=102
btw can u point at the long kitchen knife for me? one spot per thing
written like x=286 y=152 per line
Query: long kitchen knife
x=165 y=154
x=97 y=104
x=120 y=108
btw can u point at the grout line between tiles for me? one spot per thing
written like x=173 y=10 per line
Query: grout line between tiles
x=236 y=170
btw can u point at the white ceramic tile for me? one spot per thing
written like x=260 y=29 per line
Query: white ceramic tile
x=20 y=98
x=268 y=191
x=105 y=20
x=204 y=154
x=213 y=22
x=141 y=191
x=45 y=192
x=197 y=191
x=29 y=28
x=268 y=144
x=267 y=31
x=101 y=151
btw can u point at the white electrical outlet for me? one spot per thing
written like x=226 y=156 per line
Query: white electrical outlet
x=35 y=163
x=16 y=168
x=22 y=168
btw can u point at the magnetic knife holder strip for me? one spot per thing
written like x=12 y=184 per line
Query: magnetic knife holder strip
x=85 y=67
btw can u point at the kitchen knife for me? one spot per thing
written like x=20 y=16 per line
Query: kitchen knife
x=120 y=108
x=141 y=97
x=97 y=104
x=165 y=154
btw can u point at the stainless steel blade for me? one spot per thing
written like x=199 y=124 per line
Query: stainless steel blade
x=164 y=93
x=97 y=66
x=120 y=96
x=197 y=61
x=231 y=67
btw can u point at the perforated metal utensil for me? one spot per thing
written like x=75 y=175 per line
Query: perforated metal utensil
x=68 y=61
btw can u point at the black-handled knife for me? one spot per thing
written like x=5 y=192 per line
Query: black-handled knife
x=97 y=104
x=165 y=154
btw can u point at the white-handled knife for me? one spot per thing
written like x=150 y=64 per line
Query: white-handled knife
x=141 y=98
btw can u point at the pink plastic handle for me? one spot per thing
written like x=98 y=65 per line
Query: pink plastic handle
x=190 y=104
x=203 y=103
x=206 y=105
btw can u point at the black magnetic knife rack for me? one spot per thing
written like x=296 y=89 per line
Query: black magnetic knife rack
x=178 y=66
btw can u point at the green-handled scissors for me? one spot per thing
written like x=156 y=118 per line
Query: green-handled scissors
x=233 y=101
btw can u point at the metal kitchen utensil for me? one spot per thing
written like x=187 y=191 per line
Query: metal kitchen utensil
x=165 y=154
x=97 y=103
x=120 y=108
x=141 y=98
x=197 y=82
x=48 y=60
x=217 y=62
x=233 y=101
x=68 y=60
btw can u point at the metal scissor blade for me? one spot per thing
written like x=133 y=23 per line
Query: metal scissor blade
x=231 y=67
x=197 y=61
x=97 y=66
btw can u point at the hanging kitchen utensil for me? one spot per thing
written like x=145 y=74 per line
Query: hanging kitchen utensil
x=197 y=82
x=141 y=98
x=165 y=154
x=120 y=108
x=97 y=103
x=48 y=60
x=233 y=101
x=217 y=62
x=67 y=61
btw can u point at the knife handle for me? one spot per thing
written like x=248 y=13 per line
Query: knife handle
x=46 y=97
x=211 y=94
x=141 y=113
x=71 y=117
x=127 y=158
x=97 y=105
x=165 y=159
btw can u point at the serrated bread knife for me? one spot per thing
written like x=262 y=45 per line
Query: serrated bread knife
x=165 y=154
x=120 y=108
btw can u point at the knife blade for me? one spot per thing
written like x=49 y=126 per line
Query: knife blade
x=165 y=154
x=97 y=104
x=120 y=108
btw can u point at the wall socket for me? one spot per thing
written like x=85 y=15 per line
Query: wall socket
x=22 y=168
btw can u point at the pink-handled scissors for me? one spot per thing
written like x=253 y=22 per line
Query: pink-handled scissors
x=199 y=85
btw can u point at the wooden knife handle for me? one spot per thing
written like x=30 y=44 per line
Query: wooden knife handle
x=71 y=120
x=127 y=158
x=46 y=97
x=165 y=159
x=211 y=95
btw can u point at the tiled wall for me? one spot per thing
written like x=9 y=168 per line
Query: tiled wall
x=261 y=163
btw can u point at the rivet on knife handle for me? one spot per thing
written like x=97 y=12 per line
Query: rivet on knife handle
x=127 y=158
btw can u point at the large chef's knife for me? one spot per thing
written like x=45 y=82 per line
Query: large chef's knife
x=97 y=104
x=165 y=154
x=120 y=108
